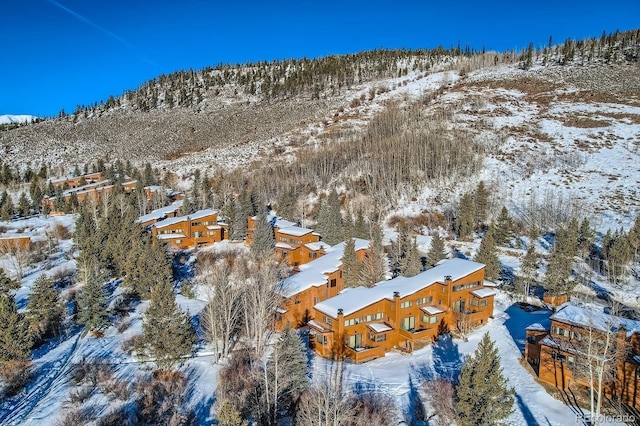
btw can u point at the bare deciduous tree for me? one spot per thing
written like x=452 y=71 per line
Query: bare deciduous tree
x=260 y=300
x=222 y=318
x=325 y=404
x=18 y=256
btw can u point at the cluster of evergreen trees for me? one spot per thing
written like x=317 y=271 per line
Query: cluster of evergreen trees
x=112 y=245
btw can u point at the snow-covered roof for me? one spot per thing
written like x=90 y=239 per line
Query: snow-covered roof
x=294 y=231
x=313 y=273
x=214 y=227
x=488 y=283
x=202 y=213
x=320 y=327
x=354 y=299
x=161 y=212
x=379 y=327
x=194 y=216
x=171 y=236
x=431 y=310
x=317 y=246
x=536 y=327
x=284 y=246
x=586 y=317
x=170 y=221
x=483 y=292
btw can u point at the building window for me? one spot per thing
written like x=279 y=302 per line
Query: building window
x=381 y=337
x=316 y=300
x=424 y=300
x=460 y=287
x=570 y=363
x=197 y=234
x=558 y=356
x=327 y=320
x=297 y=302
x=406 y=304
x=531 y=339
x=333 y=283
x=408 y=323
x=429 y=319
x=178 y=241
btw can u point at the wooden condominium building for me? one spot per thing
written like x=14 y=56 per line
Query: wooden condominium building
x=93 y=190
x=362 y=323
x=577 y=337
x=316 y=281
x=160 y=214
x=294 y=244
x=72 y=182
x=198 y=229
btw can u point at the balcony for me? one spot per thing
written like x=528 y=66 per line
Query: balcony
x=419 y=334
x=364 y=353
x=471 y=317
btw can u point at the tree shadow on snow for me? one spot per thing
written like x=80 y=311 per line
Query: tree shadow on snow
x=201 y=404
x=447 y=359
x=526 y=412
x=518 y=320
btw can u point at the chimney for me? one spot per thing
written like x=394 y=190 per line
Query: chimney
x=396 y=294
x=340 y=312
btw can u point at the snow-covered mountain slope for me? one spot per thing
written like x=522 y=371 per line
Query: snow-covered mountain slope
x=9 y=118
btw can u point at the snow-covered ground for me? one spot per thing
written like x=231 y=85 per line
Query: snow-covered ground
x=47 y=396
x=403 y=376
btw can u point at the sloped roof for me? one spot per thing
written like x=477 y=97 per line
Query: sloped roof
x=354 y=299
x=161 y=212
x=314 y=273
x=585 y=317
x=483 y=292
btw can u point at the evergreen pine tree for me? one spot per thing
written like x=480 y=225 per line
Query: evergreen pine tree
x=286 y=372
x=14 y=339
x=44 y=310
x=413 y=265
x=7 y=210
x=503 y=228
x=360 y=226
x=585 y=238
x=147 y=264
x=400 y=249
x=229 y=214
x=350 y=264
x=481 y=205
x=244 y=210
x=488 y=254
x=373 y=266
x=24 y=207
x=92 y=304
x=6 y=283
x=560 y=263
x=464 y=217
x=436 y=251
x=483 y=396
x=330 y=220
x=263 y=237
x=167 y=331
x=228 y=415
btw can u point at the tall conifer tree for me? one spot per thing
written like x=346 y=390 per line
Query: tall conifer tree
x=167 y=331
x=483 y=395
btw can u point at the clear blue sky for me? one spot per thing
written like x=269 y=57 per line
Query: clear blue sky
x=60 y=53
